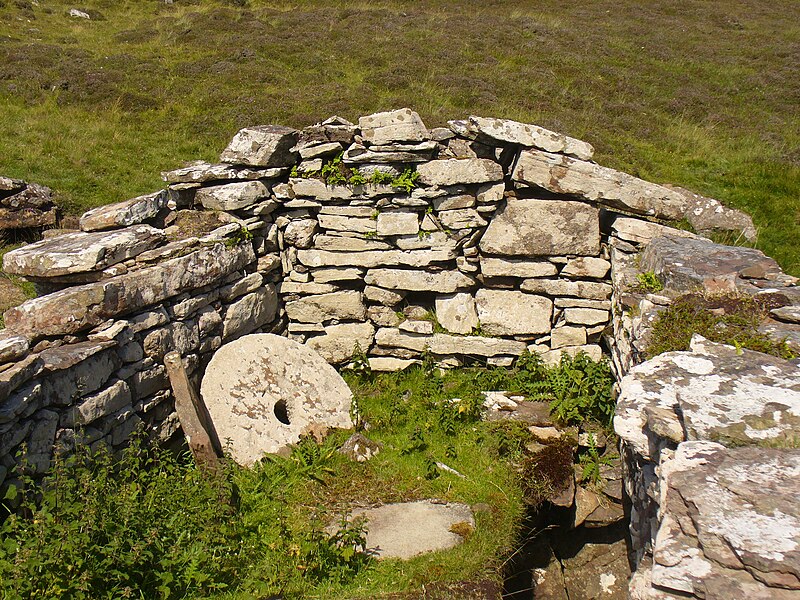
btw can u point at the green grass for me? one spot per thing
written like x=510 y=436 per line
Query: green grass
x=152 y=524
x=13 y=290
x=698 y=94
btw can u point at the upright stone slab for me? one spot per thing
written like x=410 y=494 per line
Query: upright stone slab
x=531 y=227
x=262 y=146
x=403 y=125
x=508 y=312
x=264 y=391
x=456 y=313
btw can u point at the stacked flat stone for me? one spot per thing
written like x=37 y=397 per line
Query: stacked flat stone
x=686 y=263
x=25 y=206
x=710 y=463
x=503 y=245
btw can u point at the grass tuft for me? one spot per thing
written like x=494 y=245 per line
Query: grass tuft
x=726 y=319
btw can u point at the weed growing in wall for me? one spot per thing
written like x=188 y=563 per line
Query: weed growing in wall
x=406 y=181
x=648 y=283
x=335 y=172
x=241 y=236
x=592 y=460
x=578 y=389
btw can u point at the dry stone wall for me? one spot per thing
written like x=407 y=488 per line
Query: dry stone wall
x=25 y=207
x=475 y=242
x=708 y=436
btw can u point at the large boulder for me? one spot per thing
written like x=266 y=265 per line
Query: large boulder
x=263 y=392
x=731 y=523
x=713 y=392
x=531 y=227
x=739 y=399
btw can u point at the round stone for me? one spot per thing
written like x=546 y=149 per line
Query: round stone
x=264 y=391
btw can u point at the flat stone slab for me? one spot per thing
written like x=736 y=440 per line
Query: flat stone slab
x=408 y=529
x=81 y=252
x=731 y=523
x=374 y=258
x=564 y=175
x=201 y=171
x=712 y=393
x=124 y=214
x=455 y=171
x=264 y=391
x=690 y=264
x=81 y=307
x=403 y=125
x=490 y=131
x=443 y=344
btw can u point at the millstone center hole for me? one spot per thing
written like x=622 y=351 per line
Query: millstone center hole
x=281 y=413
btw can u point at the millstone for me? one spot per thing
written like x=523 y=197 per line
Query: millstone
x=264 y=391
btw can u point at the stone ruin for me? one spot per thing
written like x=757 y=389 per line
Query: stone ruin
x=508 y=238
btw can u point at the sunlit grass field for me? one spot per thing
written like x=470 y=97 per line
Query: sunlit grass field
x=696 y=93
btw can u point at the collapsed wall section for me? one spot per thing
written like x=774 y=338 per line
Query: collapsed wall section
x=474 y=242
